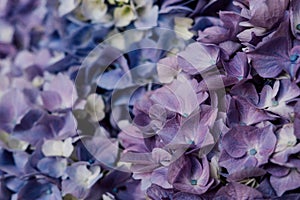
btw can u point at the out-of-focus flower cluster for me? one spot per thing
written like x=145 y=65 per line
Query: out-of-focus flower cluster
x=146 y=99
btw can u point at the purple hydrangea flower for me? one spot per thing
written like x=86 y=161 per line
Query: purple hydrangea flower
x=273 y=56
x=39 y=189
x=54 y=167
x=59 y=93
x=13 y=106
x=191 y=175
x=247 y=146
x=198 y=58
x=238 y=66
x=276 y=100
x=285 y=178
x=265 y=14
x=242 y=112
x=80 y=178
x=286 y=145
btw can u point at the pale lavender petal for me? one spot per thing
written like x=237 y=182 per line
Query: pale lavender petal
x=238 y=191
x=271 y=58
x=198 y=58
x=283 y=184
x=267 y=13
x=54 y=167
x=51 y=100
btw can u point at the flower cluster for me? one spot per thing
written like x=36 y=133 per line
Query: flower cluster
x=146 y=99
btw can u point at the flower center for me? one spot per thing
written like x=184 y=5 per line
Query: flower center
x=252 y=152
x=240 y=78
x=49 y=191
x=294 y=58
x=115 y=190
x=298 y=27
x=191 y=142
x=275 y=103
x=243 y=124
x=91 y=161
x=194 y=182
x=290 y=143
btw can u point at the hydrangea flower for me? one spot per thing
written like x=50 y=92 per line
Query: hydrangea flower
x=265 y=14
x=238 y=66
x=14 y=106
x=242 y=112
x=168 y=69
x=286 y=145
x=222 y=31
x=191 y=176
x=47 y=126
x=6 y=34
x=95 y=107
x=182 y=26
x=100 y=148
x=57 y=148
x=276 y=100
x=54 y=167
x=195 y=132
x=79 y=179
x=94 y=10
x=55 y=96
x=179 y=97
x=147 y=14
x=13 y=162
x=150 y=167
x=285 y=178
x=198 y=58
x=269 y=62
x=247 y=146
x=9 y=142
x=39 y=189
x=286 y=138
x=124 y=15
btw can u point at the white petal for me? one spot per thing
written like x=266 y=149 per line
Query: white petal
x=95 y=175
x=67 y=6
x=94 y=9
x=6 y=32
x=182 y=26
x=95 y=107
x=123 y=15
x=52 y=148
x=67 y=147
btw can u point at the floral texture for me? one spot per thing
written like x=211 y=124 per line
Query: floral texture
x=148 y=99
